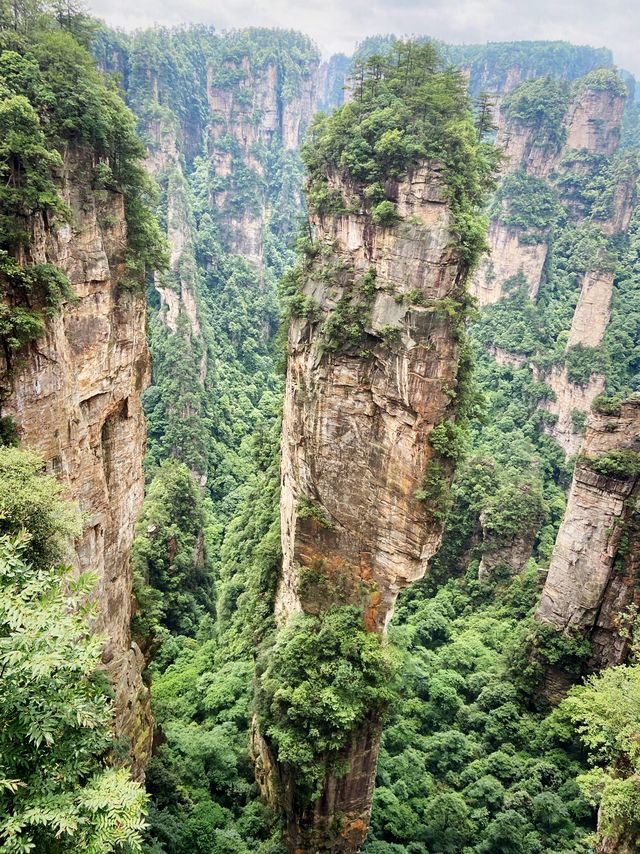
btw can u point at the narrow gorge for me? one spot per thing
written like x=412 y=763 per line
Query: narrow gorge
x=322 y=374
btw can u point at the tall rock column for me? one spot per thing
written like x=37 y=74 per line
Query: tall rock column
x=75 y=398
x=592 y=585
x=372 y=371
x=358 y=415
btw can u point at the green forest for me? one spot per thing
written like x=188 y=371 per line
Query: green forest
x=215 y=144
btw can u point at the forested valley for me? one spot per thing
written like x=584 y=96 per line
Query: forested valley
x=319 y=443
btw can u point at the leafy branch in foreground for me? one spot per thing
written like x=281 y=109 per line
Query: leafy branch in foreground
x=57 y=793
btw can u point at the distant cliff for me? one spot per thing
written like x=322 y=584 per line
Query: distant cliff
x=566 y=200
x=223 y=146
x=494 y=68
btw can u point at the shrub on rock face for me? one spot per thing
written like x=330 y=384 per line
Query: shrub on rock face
x=385 y=213
x=322 y=678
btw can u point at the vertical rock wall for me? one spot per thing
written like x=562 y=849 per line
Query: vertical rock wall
x=588 y=137
x=591 y=126
x=253 y=114
x=76 y=399
x=356 y=449
x=592 y=580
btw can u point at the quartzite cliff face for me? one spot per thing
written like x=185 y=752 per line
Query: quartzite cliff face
x=582 y=147
x=356 y=449
x=592 y=585
x=75 y=398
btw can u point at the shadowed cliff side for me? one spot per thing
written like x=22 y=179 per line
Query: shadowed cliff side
x=369 y=428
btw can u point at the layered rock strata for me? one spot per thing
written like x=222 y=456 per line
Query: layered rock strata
x=592 y=584
x=356 y=453
x=75 y=398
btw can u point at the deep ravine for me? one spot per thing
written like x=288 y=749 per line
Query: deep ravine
x=381 y=594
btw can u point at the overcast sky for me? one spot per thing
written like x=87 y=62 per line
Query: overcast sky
x=336 y=25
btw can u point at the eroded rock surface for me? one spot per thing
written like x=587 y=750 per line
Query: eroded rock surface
x=591 y=585
x=356 y=449
x=76 y=399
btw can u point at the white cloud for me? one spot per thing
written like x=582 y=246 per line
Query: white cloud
x=336 y=25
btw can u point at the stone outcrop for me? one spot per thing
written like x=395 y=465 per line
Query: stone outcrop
x=511 y=556
x=593 y=121
x=592 y=313
x=332 y=82
x=618 y=843
x=588 y=326
x=591 y=586
x=356 y=449
x=568 y=399
x=591 y=125
x=75 y=398
x=509 y=257
x=177 y=287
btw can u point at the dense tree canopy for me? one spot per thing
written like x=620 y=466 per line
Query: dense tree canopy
x=58 y=793
x=406 y=107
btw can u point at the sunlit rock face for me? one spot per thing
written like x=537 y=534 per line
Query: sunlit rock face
x=75 y=398
x=356 y=449
x=592 y=580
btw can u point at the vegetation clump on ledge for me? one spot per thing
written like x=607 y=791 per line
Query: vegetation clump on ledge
x=603 y=79
x=407 y=108
x=323 y=677
x=540 y=104
x=621 y=464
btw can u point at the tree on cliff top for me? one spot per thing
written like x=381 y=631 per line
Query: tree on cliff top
x=407 y=107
